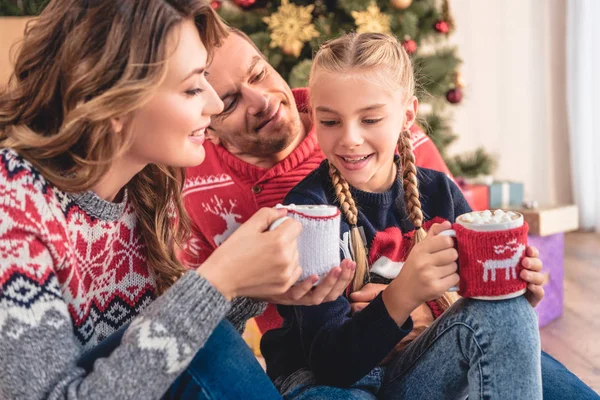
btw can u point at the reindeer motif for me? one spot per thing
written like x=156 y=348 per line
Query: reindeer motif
x=216 y=207
x=508 y=264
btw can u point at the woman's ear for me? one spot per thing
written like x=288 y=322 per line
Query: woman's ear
x=117 y=124
x=410 y=115
x=212 y=137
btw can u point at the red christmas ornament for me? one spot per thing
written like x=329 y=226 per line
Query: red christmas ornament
x=410 y=46
x=215 y=4
x=442 y=27
x=245 y=3
x=454 y=96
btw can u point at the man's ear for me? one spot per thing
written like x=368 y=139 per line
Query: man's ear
x=410 y=115
x=212 y=137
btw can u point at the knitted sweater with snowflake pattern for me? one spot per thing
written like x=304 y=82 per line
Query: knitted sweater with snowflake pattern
x=72 y=271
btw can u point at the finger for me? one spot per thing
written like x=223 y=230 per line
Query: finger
x=342 y=282
x=443 y=271
x=536 y=294
x=533 y=264
x=444 y=257
x=437 y=228
x=532 y=252
x=323 y=288
x=356 y=307
x=293 y=278
x=438 y=243
x=288 y=231
x=298 y=291
x=449 y=281
x=368 y=292
x=538 y=290
x=536 y=278
x=263 y=218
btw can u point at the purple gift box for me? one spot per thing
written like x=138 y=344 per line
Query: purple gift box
x=552 y=254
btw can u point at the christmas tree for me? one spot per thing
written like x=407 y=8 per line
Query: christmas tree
x=288 y=32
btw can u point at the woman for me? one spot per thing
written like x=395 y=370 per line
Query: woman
x=109 y=101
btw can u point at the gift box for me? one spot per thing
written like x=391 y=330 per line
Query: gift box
x=548 y=220
x=478 y=196
x=552 y=254
x=505 y=194
x=547 y=227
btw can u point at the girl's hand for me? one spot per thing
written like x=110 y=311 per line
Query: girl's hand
x=364 y=296
x=329 y=289
x=532 y=275
x=429 y=271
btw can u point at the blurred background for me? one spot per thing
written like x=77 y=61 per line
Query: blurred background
x=509 y=94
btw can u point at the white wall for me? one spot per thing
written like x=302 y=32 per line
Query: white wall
x=515 y=98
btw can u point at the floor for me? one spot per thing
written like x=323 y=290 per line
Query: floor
x=574 y=339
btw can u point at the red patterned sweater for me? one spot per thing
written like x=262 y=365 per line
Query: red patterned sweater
x=72 y=271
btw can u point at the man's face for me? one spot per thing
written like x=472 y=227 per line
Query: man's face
x=259 y=116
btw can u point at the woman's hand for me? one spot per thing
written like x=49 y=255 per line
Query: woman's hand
x=329 y=289
x=256 y=262
x=533 y=276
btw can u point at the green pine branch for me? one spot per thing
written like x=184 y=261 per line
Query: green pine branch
x=20 y=8
x=472 y=164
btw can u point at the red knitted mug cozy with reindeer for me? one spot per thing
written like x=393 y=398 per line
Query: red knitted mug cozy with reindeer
x=490 y=262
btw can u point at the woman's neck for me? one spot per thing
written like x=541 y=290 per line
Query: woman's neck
x=110 y=187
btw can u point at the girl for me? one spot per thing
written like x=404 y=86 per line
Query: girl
x=109 y=101
x=408 y=342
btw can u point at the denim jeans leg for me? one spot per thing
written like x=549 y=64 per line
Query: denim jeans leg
x=483 y=349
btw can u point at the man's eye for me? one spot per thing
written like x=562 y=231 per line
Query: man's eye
x=230 y=104
x=258 y=77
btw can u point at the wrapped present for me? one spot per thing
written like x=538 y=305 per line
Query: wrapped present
x=505 y=194
x=548 y=220
x=552 y=252
x=478 y=196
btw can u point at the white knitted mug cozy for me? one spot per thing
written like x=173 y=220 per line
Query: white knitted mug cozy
x=319 y=241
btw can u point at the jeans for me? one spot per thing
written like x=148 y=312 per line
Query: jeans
x=482 y=349
x=224 y=368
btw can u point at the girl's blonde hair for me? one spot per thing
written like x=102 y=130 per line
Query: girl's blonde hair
x=363 y=54
x=82 y=64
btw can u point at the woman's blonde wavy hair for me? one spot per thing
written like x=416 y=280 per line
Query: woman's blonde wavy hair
x=384 y=54
x=81 y=64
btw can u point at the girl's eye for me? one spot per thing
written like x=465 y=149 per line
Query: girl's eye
x=328 y=123
x=372 y=121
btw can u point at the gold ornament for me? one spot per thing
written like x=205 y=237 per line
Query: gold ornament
x=401 y=4
x=371 y=20
x=459 y=80
x=291 y=27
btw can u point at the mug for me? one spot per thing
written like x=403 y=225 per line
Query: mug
x=319 y=241
x=491 y=247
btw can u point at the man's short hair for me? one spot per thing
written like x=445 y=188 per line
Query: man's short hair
x=244 y=36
